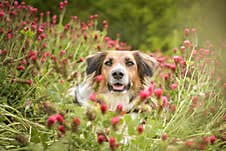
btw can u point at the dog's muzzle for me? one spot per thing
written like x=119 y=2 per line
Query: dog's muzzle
x=118 y=80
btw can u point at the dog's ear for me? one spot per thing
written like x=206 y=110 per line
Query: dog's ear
x=146 y=65
x=94 y=63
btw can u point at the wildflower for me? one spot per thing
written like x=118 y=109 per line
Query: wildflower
x=177 y=59
x=24 y=62
x=201 y=146
x=105 y=24
x=85 y=36
x=195 y=99
x=158 y=92
x=173 y=86
x=60 y=118
x=193 y=30
x=20 y=67
x=54 y=19
x=76 y=121
x=112 y=142
x=151 y=88
x=225 y=85
x=188 y=144
x=61 y=128
x=51 y=121
x=186 y=31
x=43 y=59
x=115 y=120
x=164 y=136
x=101 y=139
x=172 y=108
x=140 y=128
x=40 y=30
x=99 y=78
x=2 y=14
x=92 y=97
x=65 y=2
x=144 y=94
x=81 y=59
x=103 y=108
x=62 y=52
x=61 y=5
x=96 y=36
x=119 y=107
x=212 y=139
x=54 y=58
x=165 y=101
x=205 y=140
x=75 y=124
x=29 y=82
x=182 y=48
x=172 y=67
x=186 y=43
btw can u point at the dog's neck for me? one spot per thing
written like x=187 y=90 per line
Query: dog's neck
x=113 y=99
x=83 y=91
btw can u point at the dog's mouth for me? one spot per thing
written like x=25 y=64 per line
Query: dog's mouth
x=118 y=87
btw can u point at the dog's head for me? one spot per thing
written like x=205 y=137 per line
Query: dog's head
x=121 y=70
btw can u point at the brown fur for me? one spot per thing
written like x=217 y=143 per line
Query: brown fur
x=144 y=66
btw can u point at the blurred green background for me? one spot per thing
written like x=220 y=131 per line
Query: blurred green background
x=149 y=24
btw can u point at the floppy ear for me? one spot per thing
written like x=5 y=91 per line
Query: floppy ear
x=146 y=65
x=94 y=63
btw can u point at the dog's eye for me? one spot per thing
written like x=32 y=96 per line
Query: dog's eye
x=108 y=63
x=129 y=63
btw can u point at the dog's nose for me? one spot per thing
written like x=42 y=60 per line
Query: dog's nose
x=118 y=74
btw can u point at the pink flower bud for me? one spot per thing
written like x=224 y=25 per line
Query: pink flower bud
x=212 y=139
x=115 y=120
x=144 y=94
x=186 y=43
x=164 y=136
x=62 y=52
x=103 y=108
x=29 y=82
x=182 y=48
x=177 y=59
x=76 y=121
x=51 y=121
x=140 y=128
x=61 y=128
x=112 y=142
x=101 y=139
x=2 y=14
x=119 y=107
x=165 y=101
x=21 y=68
x=186 y=31
x=92 y=97
x=173 y=86
x=60 y=118
x=158 y=92
x=99 y=78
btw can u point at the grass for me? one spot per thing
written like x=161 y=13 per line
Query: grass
x=40 y=60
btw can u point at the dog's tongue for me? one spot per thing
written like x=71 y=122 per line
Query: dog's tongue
x=118 y=87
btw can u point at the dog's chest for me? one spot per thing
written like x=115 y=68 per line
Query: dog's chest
x=114 y=99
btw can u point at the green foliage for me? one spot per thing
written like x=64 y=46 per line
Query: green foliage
x=145 y=24
x=39 y=62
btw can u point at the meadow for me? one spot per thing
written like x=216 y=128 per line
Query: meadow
x=183 y=108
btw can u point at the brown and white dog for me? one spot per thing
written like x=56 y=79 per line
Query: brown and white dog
x=124 y=75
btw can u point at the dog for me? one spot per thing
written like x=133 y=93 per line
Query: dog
x=124 y=74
